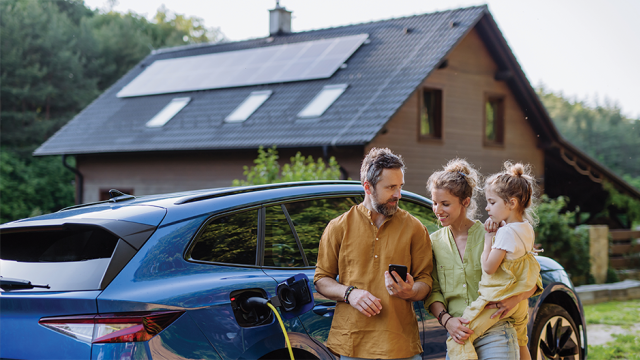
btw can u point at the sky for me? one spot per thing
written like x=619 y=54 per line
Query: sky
x=586 y=49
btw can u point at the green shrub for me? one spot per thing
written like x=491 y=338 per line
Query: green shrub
x=568 y=246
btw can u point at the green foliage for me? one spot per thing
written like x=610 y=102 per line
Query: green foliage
x=57 y=57
x=562 y=243
x=267 y=169
x=600 y=130
x=626 y=204
x=34 y=187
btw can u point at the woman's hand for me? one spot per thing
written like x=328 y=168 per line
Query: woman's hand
x=457 y=329
x=504 y=306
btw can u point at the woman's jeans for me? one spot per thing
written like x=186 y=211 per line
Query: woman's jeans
x=499 y=343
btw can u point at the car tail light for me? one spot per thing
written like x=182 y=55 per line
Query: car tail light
x=112 y=328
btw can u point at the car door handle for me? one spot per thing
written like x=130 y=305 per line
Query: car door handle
x=325 y=308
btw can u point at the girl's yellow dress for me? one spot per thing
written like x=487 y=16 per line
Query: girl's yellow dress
x=514 y=276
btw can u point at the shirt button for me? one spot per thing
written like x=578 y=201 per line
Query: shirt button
x=464 y=285
x=376 y=256
x=371 y=223
x=376 y=238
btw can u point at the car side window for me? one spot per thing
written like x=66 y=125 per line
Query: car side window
x=421 y=212
x=280 y=246
x=229 y=239
x=311 y=217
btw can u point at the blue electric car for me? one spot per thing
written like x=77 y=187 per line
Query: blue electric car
x=161 y=277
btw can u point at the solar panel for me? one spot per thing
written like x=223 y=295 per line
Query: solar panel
x=307 y=60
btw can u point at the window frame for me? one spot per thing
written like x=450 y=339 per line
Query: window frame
x=438 y=114
x=259 y=240
x=499 y=125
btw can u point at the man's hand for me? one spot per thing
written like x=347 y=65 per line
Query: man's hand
x=365 y=302
x=457 y=328
x=402 y=289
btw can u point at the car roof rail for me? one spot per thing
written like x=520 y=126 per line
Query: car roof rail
x=252 y=188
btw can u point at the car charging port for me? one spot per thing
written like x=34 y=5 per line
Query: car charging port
x=250 y=307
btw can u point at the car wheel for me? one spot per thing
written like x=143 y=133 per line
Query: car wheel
x=555 y=335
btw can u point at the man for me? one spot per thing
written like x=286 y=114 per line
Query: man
x=374 y=317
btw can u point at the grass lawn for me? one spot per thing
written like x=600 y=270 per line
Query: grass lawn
x=618 y=313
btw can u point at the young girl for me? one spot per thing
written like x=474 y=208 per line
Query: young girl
x=508 y=263
x=457 y=264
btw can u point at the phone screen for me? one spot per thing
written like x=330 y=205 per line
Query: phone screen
x=400 y=269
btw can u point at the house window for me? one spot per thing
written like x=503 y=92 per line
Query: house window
x=168 y=112
x=322 y=101
x=494 y=120
x=430 y=121
x=248 y=106
x=104 y=193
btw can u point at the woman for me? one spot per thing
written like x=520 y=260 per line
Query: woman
x=457 y=250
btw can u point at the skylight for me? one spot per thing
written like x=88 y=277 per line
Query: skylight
x=168 y=112
x=322 y=101
x=248 y=106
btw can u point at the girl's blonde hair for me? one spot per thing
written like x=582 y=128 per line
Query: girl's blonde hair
x=517 y=181
x=461 y=179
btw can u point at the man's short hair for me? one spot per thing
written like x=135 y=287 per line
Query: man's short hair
x=377 y=160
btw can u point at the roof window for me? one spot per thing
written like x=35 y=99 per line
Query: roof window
x=322 y=101
x=248 y=106
x=168 y=112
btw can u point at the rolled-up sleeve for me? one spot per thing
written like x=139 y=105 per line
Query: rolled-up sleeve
x=421 y=257
x=436 y=291
x=328 y=251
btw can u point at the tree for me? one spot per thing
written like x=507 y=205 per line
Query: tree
x=267 y=169
x=57 y=56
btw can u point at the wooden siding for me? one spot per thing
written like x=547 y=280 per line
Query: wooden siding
x=465 y=83
x=157 y=173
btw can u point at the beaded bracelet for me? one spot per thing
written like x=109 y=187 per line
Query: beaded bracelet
x=348 y=292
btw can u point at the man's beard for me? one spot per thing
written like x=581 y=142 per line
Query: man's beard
x=384 y=208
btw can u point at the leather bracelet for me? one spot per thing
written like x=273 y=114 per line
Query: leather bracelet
x=347 y=293
x=439 y=317
x=445 y=323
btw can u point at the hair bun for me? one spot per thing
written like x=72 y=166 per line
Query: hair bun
x=516 y=169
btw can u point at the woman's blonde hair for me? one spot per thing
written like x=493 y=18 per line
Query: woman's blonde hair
x=461 y=179
x=517 y=181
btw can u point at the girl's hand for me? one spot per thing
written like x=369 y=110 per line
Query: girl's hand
x=490 y=226
x=457 y=329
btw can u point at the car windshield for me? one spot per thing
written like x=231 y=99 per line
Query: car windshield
x=64 y=259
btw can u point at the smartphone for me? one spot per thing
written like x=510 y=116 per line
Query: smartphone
x=400 y=269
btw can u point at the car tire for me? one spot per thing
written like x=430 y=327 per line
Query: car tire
x=555 y=335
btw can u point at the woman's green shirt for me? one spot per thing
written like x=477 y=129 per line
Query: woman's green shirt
x=455 y=281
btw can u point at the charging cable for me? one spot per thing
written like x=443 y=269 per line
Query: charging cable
x=284 y=331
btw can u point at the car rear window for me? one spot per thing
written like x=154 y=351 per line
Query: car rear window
x=65 y=259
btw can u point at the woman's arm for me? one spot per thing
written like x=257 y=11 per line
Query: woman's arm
x=507 y=304
x=454 y=325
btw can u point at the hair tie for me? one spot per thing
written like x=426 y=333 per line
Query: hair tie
x=462 y=174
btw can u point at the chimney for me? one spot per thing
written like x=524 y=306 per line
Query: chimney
x=279 y=20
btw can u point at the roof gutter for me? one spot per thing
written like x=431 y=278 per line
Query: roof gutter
x=79 y=180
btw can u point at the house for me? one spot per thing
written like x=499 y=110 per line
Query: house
x=430 y=87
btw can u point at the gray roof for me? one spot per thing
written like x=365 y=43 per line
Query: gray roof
x=381 y=75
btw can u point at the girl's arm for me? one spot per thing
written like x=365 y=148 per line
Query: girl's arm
x=491 y=258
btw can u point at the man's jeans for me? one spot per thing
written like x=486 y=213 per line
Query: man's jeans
x=498 y=343
x=415 y=357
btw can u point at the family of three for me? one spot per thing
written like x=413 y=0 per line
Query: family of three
x=474 y=278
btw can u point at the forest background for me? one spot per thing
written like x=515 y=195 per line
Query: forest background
x=58 y=56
